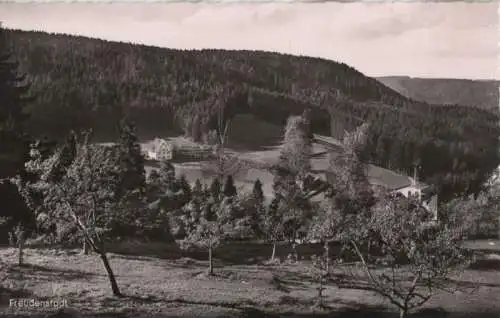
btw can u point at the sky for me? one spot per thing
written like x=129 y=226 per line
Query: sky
x=444 y=40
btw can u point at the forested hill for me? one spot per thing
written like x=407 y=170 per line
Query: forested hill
x=480 y=93
x=78 y=80
x=82 y=82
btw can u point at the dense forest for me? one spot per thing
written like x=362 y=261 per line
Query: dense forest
x=80 y=82
x=479 y=93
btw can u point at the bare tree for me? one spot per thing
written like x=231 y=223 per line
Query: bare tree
x=272 y=225
x=23 y=224
x=209 y=230
x=223 y=164
x=416 y=259
x=347 y=194
x=319 y=271
x=326 y=227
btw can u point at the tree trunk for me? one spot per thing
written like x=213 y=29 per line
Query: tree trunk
x=498 y=228
x=295 y=254
x=403 y=313
x=210 y=261
x=273 y=256
x=327 y=258
x=320 y=291
x=85 y=248
x=20 y=250
x=111 y=275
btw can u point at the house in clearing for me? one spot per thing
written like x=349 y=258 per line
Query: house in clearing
x=380 y=178
x=323 y=147
x=159 y=149
x=401 y=184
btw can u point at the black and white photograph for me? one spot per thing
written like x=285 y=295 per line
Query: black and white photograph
x=250 y=159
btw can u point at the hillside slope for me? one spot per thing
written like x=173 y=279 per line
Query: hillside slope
x=80 y=82
x=480 y=93
x=88 y=81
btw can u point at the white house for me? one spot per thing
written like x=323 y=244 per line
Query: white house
x=159 y=149
x=405 y=185
x=495 y=177
x=380 y=178
x=151 y=155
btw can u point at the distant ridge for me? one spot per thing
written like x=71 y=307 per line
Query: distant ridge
x=480 y=93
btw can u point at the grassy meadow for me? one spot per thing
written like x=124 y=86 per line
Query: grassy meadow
x=158 y=280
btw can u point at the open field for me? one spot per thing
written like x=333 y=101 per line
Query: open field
x=249 y=138
x=266 y=154
x=163 y=282
x=249 y=133
x=244 y=181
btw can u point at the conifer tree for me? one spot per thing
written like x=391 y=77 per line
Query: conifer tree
x=167 y=179
x=185 y=187
x=130 y=159
x=229 y=187
x=153 y=176
x=215 y=189
x=196 y=131
x=14 y=144
x=256 y=212
x=197 y=190
x=66 y=156
x=257 y=191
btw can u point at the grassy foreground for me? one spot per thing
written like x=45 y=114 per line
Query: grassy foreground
x=167 y=284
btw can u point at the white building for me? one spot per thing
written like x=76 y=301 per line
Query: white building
x=407 y=186
x=160 y=149
x=381 y=178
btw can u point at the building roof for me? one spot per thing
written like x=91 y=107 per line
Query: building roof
x=387 y=178
x=330 y=142
x=377 y=176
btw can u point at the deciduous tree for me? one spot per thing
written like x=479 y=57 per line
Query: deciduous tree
x=348 y=193
x=292 y=206
x=209 y=230
x=296 y=151
x=224 y=163
x=417 y=255
x=84 y=194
